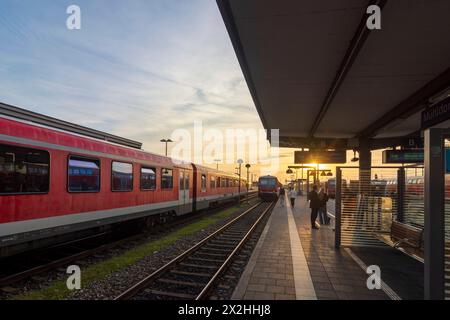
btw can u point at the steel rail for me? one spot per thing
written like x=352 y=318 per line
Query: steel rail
x=226 y=263
x=132 y=291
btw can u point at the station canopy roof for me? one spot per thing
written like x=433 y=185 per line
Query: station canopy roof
x=317 y=73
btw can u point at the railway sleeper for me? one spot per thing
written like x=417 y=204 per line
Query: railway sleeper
x=176 y=295
x=222 y=244
x=200 y=266
x=194 y=258
x=208 y=248
x=191 y=274
x=182 y=283
x=203 y=253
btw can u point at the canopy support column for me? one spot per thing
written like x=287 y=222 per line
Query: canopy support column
x=434 y=215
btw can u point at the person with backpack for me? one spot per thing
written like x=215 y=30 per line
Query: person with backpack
x=314 y=204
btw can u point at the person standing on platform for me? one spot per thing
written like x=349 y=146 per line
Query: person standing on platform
x=314 y=204
x=292 y=194
x=323 y=215
x=282 y=192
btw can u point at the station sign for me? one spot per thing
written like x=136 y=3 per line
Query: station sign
x=320 y=156
x=437 y=113
x=403 y=156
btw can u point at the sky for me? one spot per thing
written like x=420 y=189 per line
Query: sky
x=138 y=69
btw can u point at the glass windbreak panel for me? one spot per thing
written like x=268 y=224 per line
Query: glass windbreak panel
x=368 y=205
x=167 y=179
x=122 y=176
x=413 y=203
x=23 y=170
x=148 y=178
x=83 y=175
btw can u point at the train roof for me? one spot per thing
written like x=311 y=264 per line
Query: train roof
x=19 y=113
x=115 y=144
x=219 y=172
x=268 y=176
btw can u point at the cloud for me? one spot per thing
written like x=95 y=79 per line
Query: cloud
x=138 y=69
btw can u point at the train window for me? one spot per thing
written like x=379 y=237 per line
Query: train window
x=148 y=178
x=23 y=170
x=267 y=182
x=203 y=184
x=223 y=182
x=83 y=175
x=166 y=178
x=122 y=176
x=186 y=181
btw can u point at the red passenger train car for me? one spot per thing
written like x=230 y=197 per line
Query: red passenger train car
x=58 y=179
x=414 y=186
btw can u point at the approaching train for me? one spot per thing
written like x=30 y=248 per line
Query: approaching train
x=58 y=179
x=268 y=188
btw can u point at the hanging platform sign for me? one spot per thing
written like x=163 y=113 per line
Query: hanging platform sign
x=320 y=156
x=403 y=156
x=437 y=113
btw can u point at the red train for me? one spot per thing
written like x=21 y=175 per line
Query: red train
x=268 y=188
x=57 y=178
x=414 y=186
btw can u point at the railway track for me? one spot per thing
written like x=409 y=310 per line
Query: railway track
x=194 y=273
x=35 y=263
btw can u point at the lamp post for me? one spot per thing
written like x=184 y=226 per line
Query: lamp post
x=166 y=141
x=240 y=162
x=248 y=174
x=248 y=177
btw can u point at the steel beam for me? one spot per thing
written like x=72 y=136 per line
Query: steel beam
x=434 y=234
x=358 y=40
x=338 y=206
x=400 y=194
x=411 y=105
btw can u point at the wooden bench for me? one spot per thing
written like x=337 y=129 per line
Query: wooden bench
x=404 y=235
x=406 y=238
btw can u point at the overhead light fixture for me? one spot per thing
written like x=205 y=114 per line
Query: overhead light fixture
x=323 y=174
x=289 y=171
x=330 y=174
x=440 y=96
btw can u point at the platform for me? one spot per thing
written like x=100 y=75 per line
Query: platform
x=293 y=262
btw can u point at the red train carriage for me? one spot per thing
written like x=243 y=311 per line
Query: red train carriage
x=268 y=188
x=57 y=178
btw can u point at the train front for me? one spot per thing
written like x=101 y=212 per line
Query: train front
x=268 y=188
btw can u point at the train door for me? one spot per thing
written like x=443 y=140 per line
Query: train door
x=185 y=204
